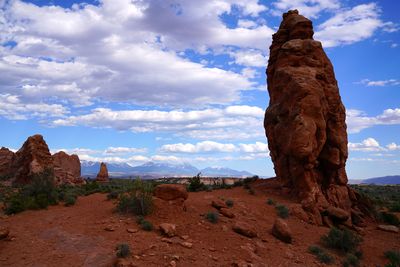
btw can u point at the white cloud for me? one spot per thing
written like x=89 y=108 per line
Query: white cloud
x=258 y=147
x=369 y=144
x=357 y=120
x=308 y=8
x=123 y=150
x=205 y=146
x=221 y=123
x=250 y=58
x=11 y=107
x=393 y=146
x=350 y=26
x=388 y=82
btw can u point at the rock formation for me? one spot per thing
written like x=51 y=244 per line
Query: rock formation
x=67 y=168
x=171 y=192
x=102 y=176
x=305 y=120
x=7 y=158
x=32 y=158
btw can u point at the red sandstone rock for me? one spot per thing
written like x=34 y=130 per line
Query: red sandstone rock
x=281 y=231
x=227 y=213
x=102 y=176
x=7 y=158
x=244 y=229
x=32 y=158
x=218 y=204
x=171 y=192
x=67 y=168
x=168 y=229
x=305 y=120
x=4 y=232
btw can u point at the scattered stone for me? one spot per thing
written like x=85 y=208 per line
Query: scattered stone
x=168 y=229
x=224 y=228
x=102 y=176
x=227 y=213
x=212 y=249
x=171 y=192
x=166 y=240
x=245 y=229
x=281 y=231
x=109 y=228
x=186 y=244
x=184 y=237
x=121 y=262
x=297 y=210
x=388 y=228
x=172 y=263
x=132 y=231
x=218 y=204
x=4 y=232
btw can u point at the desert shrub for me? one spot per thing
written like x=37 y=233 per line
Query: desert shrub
x=352 y=260
x=393 y=257
x=139 y=219
x=195 y=184
x=343 y=240
x=271 y=202
x=389 y=218
x=395 y=207
x=146 y=225
x=212 y=217
x=322 y=256
x=139 y=200
x=39 y=194
x=251 y=191
x=238 y=183
x=282 y=211
x=229 y=203
x=112 y=195
x=123 y=250
x=249 y=180
x=70 y=199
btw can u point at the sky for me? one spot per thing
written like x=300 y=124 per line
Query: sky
x=183 y=81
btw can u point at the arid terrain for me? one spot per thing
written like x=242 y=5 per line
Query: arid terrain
x=87 y=233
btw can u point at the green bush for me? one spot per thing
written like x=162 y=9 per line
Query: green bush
x=343 y=240
x=389 y=218
x=39 y=194
x=123 y=250
x=395 y=207
x=146 y=225
x=282 y=211
x=229 y=203
x=195 y=184
x=139 y=200
x=238 y=183
x=351 y=260
x=393 y=257
x=112 y=195
x=212 y=217
x=322 y=256
x=70 y=200
x=271 y=202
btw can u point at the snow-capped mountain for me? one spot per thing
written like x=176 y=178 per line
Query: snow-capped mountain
x=156 y=169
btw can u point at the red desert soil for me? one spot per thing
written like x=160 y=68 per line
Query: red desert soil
x=76 y=236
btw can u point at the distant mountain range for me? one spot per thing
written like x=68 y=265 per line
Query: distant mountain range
x=394 y=179
x=153 y=169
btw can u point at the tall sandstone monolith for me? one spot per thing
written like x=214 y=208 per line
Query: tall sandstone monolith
x=305 y=123
x=102 y=176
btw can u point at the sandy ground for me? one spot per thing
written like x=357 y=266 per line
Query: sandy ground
x=76 y=236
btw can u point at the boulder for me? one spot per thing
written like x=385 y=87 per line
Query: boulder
x=388 y=228
x=218 y=204
x=171 y=192
x=67 y=168
x=244 y=229
x=102 y=176
x=168 y=229
x=305 y=120
x=337 y=214
x=32 y=158
x=281 y=231
x=7 y=158
x=227 y=213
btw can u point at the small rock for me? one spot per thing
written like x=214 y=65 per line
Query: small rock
x=244 y=229
x=338 y=214
x=227 y=213
x=109 y=228
x=176 y=257
x=121 y=262
x=131 y=230
x=186 y=244
x=172 y=263
x=218 y=204
x=281 y=231
x=212 y=249
x=171 y=191
x=168 y=229
x=4 y=232
x=388 y=228
x=184 y=237
x=166 y=240
x=224 y=228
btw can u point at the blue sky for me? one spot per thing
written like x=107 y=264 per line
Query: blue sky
x=184 y=81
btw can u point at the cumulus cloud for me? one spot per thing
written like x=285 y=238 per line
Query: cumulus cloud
x=123 y=150
x=202 y=124
x=358 y=120
x=205 y=146
x=308 y=8
x=393 y=146
x=11 y=107
x=258 y=147
x=250 y=58
x=369 y=144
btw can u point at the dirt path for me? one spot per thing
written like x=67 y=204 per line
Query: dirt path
x=76 y=236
